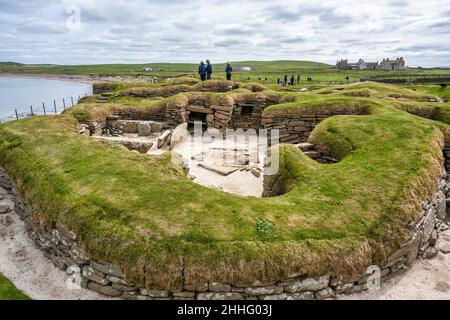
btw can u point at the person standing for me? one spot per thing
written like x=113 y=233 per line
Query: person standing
x=209 y=70
x=299 y=77
x=229 y=71
x=292 y=80
x=285 y=79
x=202 y=71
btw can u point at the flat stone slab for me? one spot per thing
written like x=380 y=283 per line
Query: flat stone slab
x=443 y=244
x=225 y=171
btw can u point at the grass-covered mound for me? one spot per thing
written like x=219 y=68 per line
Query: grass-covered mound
x=9 y=292
x=143 y=213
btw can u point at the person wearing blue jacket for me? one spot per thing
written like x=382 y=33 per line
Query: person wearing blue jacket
x=202 y=71
x=209 y=70
x=229 y=71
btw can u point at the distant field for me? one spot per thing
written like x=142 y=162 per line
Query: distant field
x=165 y=67
x=267 y=72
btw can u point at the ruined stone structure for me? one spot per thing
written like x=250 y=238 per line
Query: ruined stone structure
x=243 y=112
x=66 y=251
x=385 y=64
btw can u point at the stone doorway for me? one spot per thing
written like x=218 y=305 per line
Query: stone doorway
x=197 y=117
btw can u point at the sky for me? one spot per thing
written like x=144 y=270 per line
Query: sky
x=138 y=31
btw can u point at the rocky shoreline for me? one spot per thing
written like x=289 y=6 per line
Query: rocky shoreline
x=85 y=79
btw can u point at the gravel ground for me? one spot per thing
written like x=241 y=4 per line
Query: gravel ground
x=26 y=266
x=425 y=280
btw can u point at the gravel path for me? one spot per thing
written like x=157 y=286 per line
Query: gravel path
x=425 y=280
x=26 y=266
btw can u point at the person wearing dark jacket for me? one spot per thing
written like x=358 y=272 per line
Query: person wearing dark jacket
x=285 y=79
x=209 y=70
x=202 y=71
x=229 y=71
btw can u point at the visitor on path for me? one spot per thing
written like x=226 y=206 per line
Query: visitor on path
x=202 y=71
x=299 y=78
x=209 y=70
x=292 y=80
x=229 y=71
x=285 y=79
x=278 y=81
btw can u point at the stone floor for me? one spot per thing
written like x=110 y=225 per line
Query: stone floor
x=216 y=166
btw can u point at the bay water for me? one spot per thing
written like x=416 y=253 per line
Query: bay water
x=21 y=93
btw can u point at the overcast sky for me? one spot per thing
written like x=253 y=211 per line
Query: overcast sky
x=137 y=31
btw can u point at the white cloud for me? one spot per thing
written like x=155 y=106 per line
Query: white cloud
x=174 y=31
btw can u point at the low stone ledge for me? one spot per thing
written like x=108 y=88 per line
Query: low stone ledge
x=309 y=284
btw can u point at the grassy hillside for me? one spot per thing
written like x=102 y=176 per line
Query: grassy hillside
x=9 y=292
x=168 y=67
x=265 y=72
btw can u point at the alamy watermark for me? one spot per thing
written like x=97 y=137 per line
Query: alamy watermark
x=73 y=21
x=232 y=148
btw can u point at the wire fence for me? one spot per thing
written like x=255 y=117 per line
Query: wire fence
x=45 y=108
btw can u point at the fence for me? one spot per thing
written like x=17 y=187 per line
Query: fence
x=54 y=107
x=414 y=78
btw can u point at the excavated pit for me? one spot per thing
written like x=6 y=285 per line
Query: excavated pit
x=172 y=129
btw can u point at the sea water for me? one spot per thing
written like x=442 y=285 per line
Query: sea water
x=21 y=93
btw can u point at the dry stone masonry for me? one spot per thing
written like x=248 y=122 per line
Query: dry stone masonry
x=63 y=248
x=297 y=128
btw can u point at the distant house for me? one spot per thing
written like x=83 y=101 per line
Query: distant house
x=385 y=64
x=147 y=69
x=396 y=64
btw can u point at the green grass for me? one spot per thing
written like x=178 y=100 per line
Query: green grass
x=272 y=70
x=9 y=292
x=166 y=67
x=143 y=213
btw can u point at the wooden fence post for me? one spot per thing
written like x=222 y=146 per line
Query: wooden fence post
x=31 y=109
x=64 y=104
x=71 y=98
x=17 y=115
x=54 y=105
x=43 y=106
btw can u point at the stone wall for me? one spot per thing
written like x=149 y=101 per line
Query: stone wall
x=63 y=248
x=245 y=113
x=95 y=127
x=274 y=186
x=248 y=112
x=297 y=128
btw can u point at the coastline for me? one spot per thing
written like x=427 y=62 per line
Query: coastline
x=8 y=113
x=83 y=79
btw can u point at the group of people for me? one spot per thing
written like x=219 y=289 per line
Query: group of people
x=291 y=81
x=206 y=70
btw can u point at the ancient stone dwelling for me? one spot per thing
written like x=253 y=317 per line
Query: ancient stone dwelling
x=385 y=64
